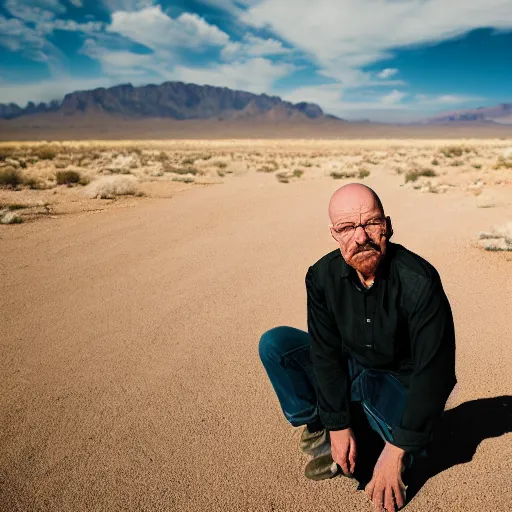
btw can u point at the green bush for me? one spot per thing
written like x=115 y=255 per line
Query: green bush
x=68 y=177
x=298 y=173
x=10 y=177
x=363 y=173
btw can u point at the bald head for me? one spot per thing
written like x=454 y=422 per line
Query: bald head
x=353 y=201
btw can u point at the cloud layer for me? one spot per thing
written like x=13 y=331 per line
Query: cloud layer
x=266 y=46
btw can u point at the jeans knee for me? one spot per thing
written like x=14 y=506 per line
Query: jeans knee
x=278 y=341
x=269 y=344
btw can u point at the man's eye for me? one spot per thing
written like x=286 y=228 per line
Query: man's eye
x=345 y=229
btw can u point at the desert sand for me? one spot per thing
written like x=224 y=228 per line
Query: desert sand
x=130 y=377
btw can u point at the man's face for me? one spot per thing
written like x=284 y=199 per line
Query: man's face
x=363 y=248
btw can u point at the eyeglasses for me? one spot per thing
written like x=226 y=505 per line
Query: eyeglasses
x=370 y=227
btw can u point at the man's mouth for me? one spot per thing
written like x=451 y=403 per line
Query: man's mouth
x=367 y=247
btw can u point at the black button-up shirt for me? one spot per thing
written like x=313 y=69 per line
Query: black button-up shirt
x=402 y=324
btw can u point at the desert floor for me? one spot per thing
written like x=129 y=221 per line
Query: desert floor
x=130 y=377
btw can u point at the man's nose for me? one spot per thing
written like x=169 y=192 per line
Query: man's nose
x=360 y=235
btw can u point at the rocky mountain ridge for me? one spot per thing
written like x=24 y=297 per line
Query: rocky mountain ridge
x=174 y=100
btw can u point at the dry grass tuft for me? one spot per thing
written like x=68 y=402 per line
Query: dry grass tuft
x=499 y=239
x=110 y=187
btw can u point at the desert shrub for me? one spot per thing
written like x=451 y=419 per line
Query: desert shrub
x=340 y=175
x=298 y=173
x=45 y=152
x=306 y=164
x=188 y=161
x=221 y=165
x=457 y=163
x=435 y=161
x=16 y=206
x=5 y=153
x=221 y=173
x=416 y=173
x=451 y=151
x=10 y=177
x=32 y=183
x=266 y=168
x=185 y=170
x=109 y=187
x=477 y=166
x=183 y=179
x=282 y=177
x=67 y=177
x=411 y=176
x=11 y=218
x=363 y=173
x=162 y=157
x=502 y=163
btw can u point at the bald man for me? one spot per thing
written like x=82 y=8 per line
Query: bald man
x=379 y=355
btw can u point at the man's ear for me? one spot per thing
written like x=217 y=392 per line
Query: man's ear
x=389 y=228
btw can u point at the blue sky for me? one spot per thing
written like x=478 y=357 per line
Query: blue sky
x=384 y=60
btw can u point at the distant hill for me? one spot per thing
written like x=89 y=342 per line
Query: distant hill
x=172 y=100
x=500 y=114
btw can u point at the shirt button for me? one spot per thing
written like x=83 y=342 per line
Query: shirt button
x=368 y=320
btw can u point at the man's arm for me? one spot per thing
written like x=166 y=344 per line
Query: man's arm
x=326 y=354
x=432 y=337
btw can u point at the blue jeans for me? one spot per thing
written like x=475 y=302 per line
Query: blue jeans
x=284 y=352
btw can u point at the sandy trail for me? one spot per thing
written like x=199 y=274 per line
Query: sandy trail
x=129 y=375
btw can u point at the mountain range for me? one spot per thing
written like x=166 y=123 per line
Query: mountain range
x=174 y=100
x=500 y=114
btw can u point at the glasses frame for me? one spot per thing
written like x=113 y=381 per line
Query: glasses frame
x=363 y=225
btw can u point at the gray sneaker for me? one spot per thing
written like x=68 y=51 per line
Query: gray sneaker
x=314 y=443
x=321 y=468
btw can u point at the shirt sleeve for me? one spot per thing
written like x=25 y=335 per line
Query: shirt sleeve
x=432 y=337
x=327 y=357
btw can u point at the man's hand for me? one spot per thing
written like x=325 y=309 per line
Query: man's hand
x=386 y=486
x=343 y=449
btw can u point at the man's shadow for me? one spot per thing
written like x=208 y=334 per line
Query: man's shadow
x=456 y=438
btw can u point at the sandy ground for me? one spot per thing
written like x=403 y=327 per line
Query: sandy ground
x=130 y=377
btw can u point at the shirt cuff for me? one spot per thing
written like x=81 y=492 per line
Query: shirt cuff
x=335 y=420
x=410 y=440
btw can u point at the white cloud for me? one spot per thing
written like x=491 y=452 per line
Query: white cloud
x=127 y=5
x=69 y=26
x=31 y=43
x=444 y=99
x=387 y=73
x=254 y=46
x=255 y=75
x=77 y=3
x=393 y=97
x=155 y=29
x=34 y=10
x=341 y=36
